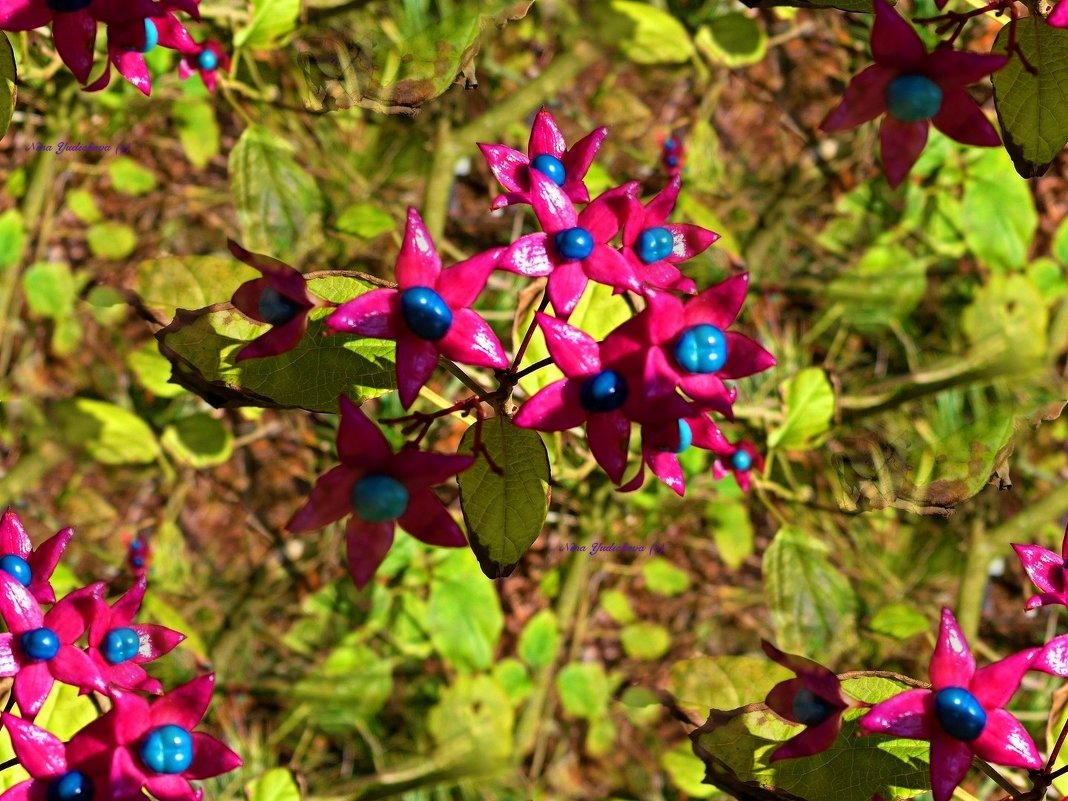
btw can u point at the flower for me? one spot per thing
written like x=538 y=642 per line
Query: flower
x=207 y=60
x=380 y=489
x=428 y=313
x=662 y=444
x=1047 y=570
x=741 y=461
x=57 y=770
x=32 y=568
x=672 y=154
x=119 y=647
x=599 y=391
x=39 y=648
x=573 y=247
x=653 y=247
x=139 y=744
x=280 y=299
x=914 y=88
x=547 y=154
x=962 y=714
x=814 y=699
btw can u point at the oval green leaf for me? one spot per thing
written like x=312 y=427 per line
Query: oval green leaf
x=8 y=90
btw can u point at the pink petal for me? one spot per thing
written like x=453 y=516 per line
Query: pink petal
x=415 y=468
x=661 y=206
x=565 y=288
x=31 y=688
x=510 y=199
x=169 y=787
x=329 y=501
x=1052 y=658
x=130 y=676
x=574 y=351
x=507 y=165
x=9 y=665
x=718 y=305
x=280 y=339
x=545 y=136
x=461 y=284
x=185 y=705
x=667 y=468
x=744 y=357
x=174 y=35
x=155 y=641
x=689 y=241
x=429 y=521
x=70 y=617
x=13 y=536
x=416 y=360
x=578 y=159
x=372 y=314
x=951 y=68
x=608 y=434
x=360 y=442
x=40 y=752
x=29 y=790
x=1059 y=16
x=184 y=70
x=74 y=34
x=952 y=664
x=812 y=740
x=43 y=563
x=470 y=340
x=126 y=608
x=950 y=759
x=901 y=144
x=552 y=207
x=995 y=684
x=604 y=217
x=73 y=666
x=864 y=99
x=1064 y=545
x=907 y=714
x=366 y=545
x=1005 y=741
x=247 y=297
x=529 y=256
x=131 y=65
x=418 y=263
x=705 y=388
x=1043 y=567
x=894 y=42
x=555 y=408
x=1045 y=599
x=812 y=675
x=961 y=118
x=210 y=758
x=24 y=15
x=17 y=607
x=607 y=266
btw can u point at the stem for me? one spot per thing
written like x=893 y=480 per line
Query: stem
x=1056 y=750
x=10 y=702
x=529 y=334
x=9 y=763
x=534 y=367
x=465 y=379
x=998 y=779
x=973 y=582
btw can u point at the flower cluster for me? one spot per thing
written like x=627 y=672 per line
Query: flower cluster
x=666 y=370
x=83 y=641
x=133 y=28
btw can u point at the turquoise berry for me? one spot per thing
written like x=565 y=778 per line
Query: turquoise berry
x=275 y=308
x=604 y=392
x=810 y=709
x=654 y=244
x=70 y=786
x=913 y=98
x=960 y=713
x=67 y=5
x=741 y=460
x=672 y=161
x=574 y=243
x=426 y=312
x=39 y=644
x=701 y=349
x=378 y=499
x=16 y=567
x=138 y=561
x=168 y=749
x=121 y=645
x=151 y=36
x=685 y=437
x=207 y=60
x=551 y=167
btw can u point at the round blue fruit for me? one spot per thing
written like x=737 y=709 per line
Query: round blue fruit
x=741 y=460
x=574 y=244
x=426 y=312
x=913 y=98
x=685 y=438
x=960 y=713
x=151 y=36
x=604 y=392
x=67 y=5
x=672 y=161
x=701 y=349
x=551 y=167
x=120 y=645
x=275 y=308
x=377 y=499
x=17 y=567
x=654 y=244
x=207 y=60
x=168 y=749
x=71 y=786
x=39 y=644
x=810 y=709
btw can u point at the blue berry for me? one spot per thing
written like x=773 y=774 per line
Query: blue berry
x=810 y=709
x=672 y=161
x=138 y=561
x=654 y=244
x=67 y=5
x=39 y=644
x=168 y=749
x=671 y=144
x=685 y=438
x=151 y=36
x=960 y=713
x=574 y=244
x=207 y=60
x=121 y=645
x=426 y=312
x=378 y=498
x=17 y=567
x=701 y=349
x=71 y=786
x=741 y=460
x=275 y=308
x=913 y=98
x=551 y=167
x=604 y=392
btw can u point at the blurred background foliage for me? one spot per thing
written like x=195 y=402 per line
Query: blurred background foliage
x=912 y=426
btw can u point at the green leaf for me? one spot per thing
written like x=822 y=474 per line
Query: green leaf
x=190 y=282
x=813 y=608
x=1006 y=322
x=645 y=34
x=474 y=717
x=271 y=24
x=349 y=687
x=109 y=433
x=8 y=88
x=645 y=640
x=83 y=204
x=276 y=784
x=464 y=617
x=601 y=737
x=724 y=682
x=197 y=130
x=900 y=621
x=1059 y=246
x=153 y=371
x=616 y=604
x=198 y=441
x=583 y=689
x=130 y=178
x=539 y=640
x=365 y=220
x=882 y=288
x=504 y=512
x=155 y=609
x=1033 y=107
x=12 y=239
x=733 y=39
x=278 y=204
x=728 y=518
x=50 y=289
x=110 y=240
x=514 y=679
x=999 y=218
x=663 y=578
x=809 y=409
x=736 y=748
x=686 y=771
x=1049 y=278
